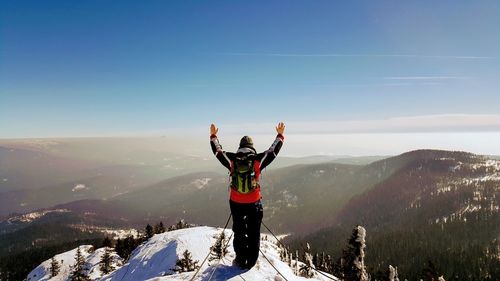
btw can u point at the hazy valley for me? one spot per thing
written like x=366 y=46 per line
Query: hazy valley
x=57 y=196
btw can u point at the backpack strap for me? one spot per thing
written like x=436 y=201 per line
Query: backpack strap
x=231 y=170
x=256 y=169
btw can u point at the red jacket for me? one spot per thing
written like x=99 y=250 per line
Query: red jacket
x=262 y=160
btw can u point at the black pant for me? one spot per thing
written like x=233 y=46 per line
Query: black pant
x=246 y=227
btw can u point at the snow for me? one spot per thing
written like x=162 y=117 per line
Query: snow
x=79 y=187
x=318 y=173
x=446 y=159
x=121 y=233
x=489 y=163
x=155 y=258
x=67 y=259
x=201 y=183
x=29 y=217
x=477 y=178
x=485 y=178
x=115 y=233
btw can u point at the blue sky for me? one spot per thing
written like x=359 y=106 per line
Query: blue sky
x=84 y=68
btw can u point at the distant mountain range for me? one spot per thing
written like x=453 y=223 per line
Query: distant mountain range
x=420 y=206
x=37 y=174
x=295 y=197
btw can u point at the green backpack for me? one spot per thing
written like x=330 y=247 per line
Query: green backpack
x=243 y=174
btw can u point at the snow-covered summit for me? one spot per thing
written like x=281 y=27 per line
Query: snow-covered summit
x=155 y=259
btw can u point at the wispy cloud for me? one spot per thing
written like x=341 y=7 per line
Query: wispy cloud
x=372 y=85
x=426 y=78
x=464 y=57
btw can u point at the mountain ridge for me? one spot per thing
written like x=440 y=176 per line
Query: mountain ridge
x=439 y=206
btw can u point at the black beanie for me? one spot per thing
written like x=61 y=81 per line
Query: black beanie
x=246 y=141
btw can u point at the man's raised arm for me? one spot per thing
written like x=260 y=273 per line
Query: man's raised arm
x=217 y=148
x=269 y=155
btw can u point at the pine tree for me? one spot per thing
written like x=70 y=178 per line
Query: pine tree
x=338 y=266
x=54 y=267
x=307 y=269
x=393 y=273
x=316 y=260
x=186 y=263
x=107 y=242
x=149 y=231
x=181 y=224
x=219 y=249
x=430 y=272
x=354 y=268
x=79 y=271
x=286 y=256
x=119 y=248
x=323 y=265
x=130 y=243
x=329 y=264
x=106 y=262
x=296 y=262
x=159 y=228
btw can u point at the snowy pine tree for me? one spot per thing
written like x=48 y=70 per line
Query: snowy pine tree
x=149 y=231
x=219 y=249
x=181 y=225
x=307 y=269
x=159 y=228
x=107 y=242
x=354 y=268
x=393 y=273
x=297 y=262
x=316 y=260
x=430 y=272
x=338 y=266
x=55 y=267
x=79 y=271
x=284 y=254
x=106 y=262
x=329 y=264
x=186 y=263
x=287 y=256
x=323 y=264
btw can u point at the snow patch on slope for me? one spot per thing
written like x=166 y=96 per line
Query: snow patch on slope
x=79 y=187
x=201 y=183
x=29 y=217
x=480 y=178
x=67 y=260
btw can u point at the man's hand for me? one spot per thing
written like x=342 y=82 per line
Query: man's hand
x=213 y=130
x=281 y=128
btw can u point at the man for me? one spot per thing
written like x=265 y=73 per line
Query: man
x=245 y=201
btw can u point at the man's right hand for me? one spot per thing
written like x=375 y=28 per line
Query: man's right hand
x=281 y=128
x=213 y=130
